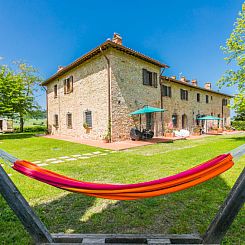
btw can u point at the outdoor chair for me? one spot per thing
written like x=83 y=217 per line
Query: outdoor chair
x=147 y=134
x=135 y=134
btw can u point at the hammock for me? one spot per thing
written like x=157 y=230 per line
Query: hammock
x=178 y=182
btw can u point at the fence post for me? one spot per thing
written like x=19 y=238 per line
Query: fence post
x=227 y=212
x=22 y=209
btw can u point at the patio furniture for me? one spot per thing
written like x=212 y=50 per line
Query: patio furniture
x=209 y=118
x=183 y=133
x=147 y=134
x=135 y=134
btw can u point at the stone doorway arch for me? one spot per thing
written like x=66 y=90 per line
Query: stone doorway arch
x=184 y=121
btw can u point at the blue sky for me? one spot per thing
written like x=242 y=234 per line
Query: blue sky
x=186 y=35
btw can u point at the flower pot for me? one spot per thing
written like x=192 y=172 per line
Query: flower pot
x=105 y=140
x=220 y=130
x=88 y=130
x=196 y=133
x=169 y=135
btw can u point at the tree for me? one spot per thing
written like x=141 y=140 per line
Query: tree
x=235 y=51
x=17 y=91
x=240 y=115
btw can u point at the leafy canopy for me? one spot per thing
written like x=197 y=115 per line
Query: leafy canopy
x=235 y=53
x=17 y=90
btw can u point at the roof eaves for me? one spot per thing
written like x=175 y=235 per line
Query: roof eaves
x=95 y=51
x=197 y=87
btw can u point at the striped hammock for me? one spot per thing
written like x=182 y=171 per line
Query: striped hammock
x=178 y=182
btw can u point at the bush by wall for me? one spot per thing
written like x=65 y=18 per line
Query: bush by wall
x=32 y=129
x=238 y=125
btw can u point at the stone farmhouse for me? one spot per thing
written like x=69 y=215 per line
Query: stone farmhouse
x=93 y=96
x=6 y=125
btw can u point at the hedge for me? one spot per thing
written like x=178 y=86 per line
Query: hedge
x=32 y=129
x=238 y=125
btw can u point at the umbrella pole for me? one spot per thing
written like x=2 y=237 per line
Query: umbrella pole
x=140 y=122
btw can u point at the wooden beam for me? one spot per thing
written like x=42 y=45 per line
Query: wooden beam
x=22 y=209
x=102 y=239
x=227 y=212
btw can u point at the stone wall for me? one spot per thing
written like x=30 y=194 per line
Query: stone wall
x=129 y=93
x=6 y=125
x=89 y=93
x=191 y=108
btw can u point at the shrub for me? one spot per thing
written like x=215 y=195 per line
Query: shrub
x=238 y=125
x=31 y=129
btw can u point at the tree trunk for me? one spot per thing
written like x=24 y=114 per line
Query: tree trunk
x=21 y=124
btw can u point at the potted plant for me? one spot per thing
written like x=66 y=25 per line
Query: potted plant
x=220 y=130
x=213 y=130
x=87 y=128
x=168 y=132
x=228 y=128
x=106 y=137
x=197 y=130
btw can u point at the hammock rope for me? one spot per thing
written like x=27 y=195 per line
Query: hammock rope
x=174 y=183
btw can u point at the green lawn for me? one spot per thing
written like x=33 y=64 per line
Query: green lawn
x=189 y=211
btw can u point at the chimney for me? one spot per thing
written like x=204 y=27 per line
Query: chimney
x=174 y=77
x=183 y=79
x=60 y=68
x=117 y=38
x=207 y=86
x=194 y=82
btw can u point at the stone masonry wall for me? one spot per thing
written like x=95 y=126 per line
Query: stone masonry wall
x=129 y=94
x=191 y=108
x=89 y=93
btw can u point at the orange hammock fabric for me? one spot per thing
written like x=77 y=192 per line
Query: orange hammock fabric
x=178 y=182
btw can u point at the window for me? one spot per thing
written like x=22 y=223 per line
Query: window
x=183 y=94
x=55 y=91
x=224 y=102
x=174 y=120
x=88 y=118
x=211 y=97
x=166 y=91
x=68 y=85
x=198 y=97
x=56 y=120
x=207 y=99
x=69 y=120
x=149 y=78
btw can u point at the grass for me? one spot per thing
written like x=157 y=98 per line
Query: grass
x=188 y=211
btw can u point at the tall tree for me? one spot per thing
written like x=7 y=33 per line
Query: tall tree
x=235 y=55
x=17 y=91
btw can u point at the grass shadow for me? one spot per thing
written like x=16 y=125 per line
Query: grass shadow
x=189 y=211
x=240 y=138
x=10 y=136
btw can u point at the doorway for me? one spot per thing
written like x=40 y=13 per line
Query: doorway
x=184 y=121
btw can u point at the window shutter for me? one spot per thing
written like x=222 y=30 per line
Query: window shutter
x=186 y=95
x=145 y=77
x=169 y=92
x=65 y=83
x=155 y=79
x=181 y=94
x=71 y=83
